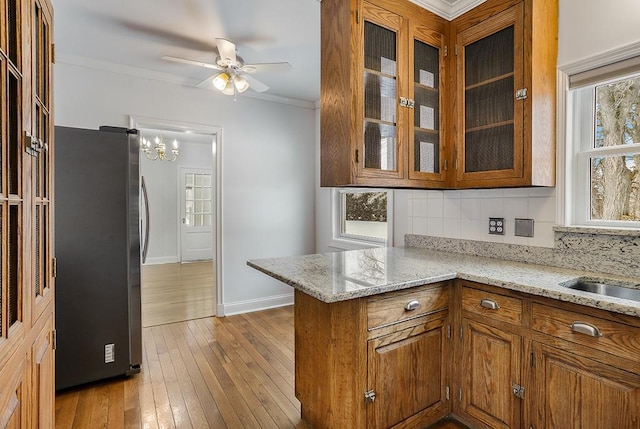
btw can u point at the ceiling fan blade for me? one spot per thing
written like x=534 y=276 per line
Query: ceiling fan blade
x=266 y=67
x=207 y=83
x=227 y=51
x=255 y=84
x=191 y=62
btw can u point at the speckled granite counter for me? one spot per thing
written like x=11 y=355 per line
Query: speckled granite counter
x=352 y=274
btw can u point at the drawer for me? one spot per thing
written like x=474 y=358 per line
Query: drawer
x=492 y=305
x=601 y=334
x=395 y=307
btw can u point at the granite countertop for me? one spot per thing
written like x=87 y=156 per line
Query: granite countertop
x=340 y=276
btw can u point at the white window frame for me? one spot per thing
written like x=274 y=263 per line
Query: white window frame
x=352 y=242
x=580 y=130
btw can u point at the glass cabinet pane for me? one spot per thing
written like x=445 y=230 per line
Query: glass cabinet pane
x=489 y=72
x=13 y=278
x=14 y=107
x=426 y=115
x=380 y=87
x=13 y=31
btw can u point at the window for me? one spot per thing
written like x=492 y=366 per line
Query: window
x=605 y=121
x=362 y=216
x=197 y=199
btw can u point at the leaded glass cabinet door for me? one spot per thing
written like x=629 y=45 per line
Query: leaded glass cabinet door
x=490 y=74
x=427 y=71
x=380 y=153
x=12 y=189
x=42 y=157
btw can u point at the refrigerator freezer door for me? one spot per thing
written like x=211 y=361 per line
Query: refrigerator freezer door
x=97 y=251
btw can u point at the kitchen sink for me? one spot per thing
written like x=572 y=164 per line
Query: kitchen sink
x=604 y=287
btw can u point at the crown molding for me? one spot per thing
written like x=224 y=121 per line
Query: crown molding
x=448 y=9
x=93 y=63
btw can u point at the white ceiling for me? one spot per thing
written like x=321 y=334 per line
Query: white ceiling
x=131 y=36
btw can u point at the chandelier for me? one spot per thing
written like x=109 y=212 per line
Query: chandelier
x=159 y=149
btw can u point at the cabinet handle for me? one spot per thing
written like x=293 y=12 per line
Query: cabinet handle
x=585 y=328
x=490 y=304
x=412 y=305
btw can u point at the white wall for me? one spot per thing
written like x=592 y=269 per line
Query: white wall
x=267 y=159
x=162 y=181
x=586 y=28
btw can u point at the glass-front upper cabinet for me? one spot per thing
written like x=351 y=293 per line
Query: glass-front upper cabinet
x=426 y=134
x=380 y=153
x=491 y=82
x=41 y=37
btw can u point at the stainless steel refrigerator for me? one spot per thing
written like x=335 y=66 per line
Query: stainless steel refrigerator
x=97 y=246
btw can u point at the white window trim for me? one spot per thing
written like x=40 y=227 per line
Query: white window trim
x=574 y=202
x=344 y=242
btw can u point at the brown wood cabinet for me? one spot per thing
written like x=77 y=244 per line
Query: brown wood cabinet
x=535 y=362
x=383 y=121
x=488 y=356
x=391 y=372
x=409 y=99
x=506 y=53
x=26 y=255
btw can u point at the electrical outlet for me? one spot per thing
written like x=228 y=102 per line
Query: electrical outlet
x=109 y=353
x=496 y=225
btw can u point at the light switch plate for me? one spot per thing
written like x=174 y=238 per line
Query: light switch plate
x=496 y=225
x=524 y=227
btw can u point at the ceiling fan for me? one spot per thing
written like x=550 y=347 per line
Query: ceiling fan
x=233 y=75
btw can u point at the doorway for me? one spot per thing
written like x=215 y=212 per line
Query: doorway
x=180 y=275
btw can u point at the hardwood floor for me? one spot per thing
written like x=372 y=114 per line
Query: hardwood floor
x=177 y=292
x=232 y=372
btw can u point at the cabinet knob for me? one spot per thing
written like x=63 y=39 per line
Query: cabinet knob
x=490 y=304
x=585 y=328
x=412 y=305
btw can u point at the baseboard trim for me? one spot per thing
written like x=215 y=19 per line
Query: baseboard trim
x=251 y=305
x=161 y=260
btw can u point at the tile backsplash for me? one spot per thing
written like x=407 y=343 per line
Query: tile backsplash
x=464 y=214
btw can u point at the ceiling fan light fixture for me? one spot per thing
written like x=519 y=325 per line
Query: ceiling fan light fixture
x=221 y=81
x=241 y=83
x=229 y=89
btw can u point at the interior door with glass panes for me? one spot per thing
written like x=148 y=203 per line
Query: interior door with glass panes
x=196 y=230
x=426 y=153
x=490 y=75
x=380 y=153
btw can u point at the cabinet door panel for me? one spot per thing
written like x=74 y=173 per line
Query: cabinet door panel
x=491 y=364
x=577 y=392
x=428 y=78
x=380 y=151
x=43 y=370
x=490 y=71
x=406 y=374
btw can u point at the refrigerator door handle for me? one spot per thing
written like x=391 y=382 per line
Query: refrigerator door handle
x=145 y=245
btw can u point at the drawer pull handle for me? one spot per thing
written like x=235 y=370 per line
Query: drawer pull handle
x=412 y=305
x=490 y=304
x=586 y=329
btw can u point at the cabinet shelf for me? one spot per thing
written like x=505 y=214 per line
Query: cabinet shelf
x=426 y=87
x=488 y=126
x=379 y=121
x=488 y=81
x=379 y=73
x=426 y=130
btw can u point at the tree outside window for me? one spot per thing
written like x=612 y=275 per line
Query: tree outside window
x=615 y=182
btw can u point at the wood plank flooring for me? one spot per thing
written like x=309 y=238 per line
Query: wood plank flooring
x=177 y=292
x=231 y=372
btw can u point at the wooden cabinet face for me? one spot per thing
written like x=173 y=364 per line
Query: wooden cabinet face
x=382 y=64
x=491 y=363
x=576 y=392
x=406 y=372
x=426 y=85
x=42 y=378
x=40 y=164
x=490 y=71
x=12 y=397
